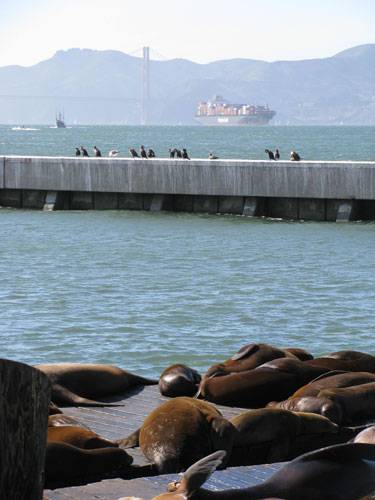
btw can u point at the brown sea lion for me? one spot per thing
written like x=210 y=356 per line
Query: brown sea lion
x=77 y=384
x=356 y=402
x=299 y=353
x=357 y=362
x=340 y=472
x=334 y=380
x=274 y=435
x=62 y=419
x=79 y=437
x=366 y=436
x=272 y=381
x=179 y=432
x=179 y=380
x=247 y=358
x=64 y=461
x=53 y=409
x=310 y=404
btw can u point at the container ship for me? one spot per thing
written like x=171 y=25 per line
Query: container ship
x=218 y=111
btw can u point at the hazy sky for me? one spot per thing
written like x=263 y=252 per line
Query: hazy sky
x=200 y=30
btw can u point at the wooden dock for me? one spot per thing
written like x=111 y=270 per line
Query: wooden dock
x=118 y=422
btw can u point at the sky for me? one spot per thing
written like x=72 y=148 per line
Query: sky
x=199 y=30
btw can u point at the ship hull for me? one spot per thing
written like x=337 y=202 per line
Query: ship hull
x=218 y=120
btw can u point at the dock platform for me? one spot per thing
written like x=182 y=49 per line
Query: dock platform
x=117 y=422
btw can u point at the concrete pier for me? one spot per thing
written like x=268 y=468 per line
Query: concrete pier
x=294 y=190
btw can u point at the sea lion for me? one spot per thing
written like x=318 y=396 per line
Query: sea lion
x=310 y=404
x=272 y=381
x=179 y=432
x=339 y=472
x=78 y=436
x=62 y=419
x=179 y=380
x=274 y=435
x=299 y=353
x=351 y=361
x=53 y=409
x=366 y=436
x=247 y=358
x=334 y=380
x=64 y=461
x=77 y=384
x=356 y=402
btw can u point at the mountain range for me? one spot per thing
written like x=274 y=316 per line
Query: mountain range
x=104 y=87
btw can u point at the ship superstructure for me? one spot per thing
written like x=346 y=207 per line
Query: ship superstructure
x=60 y=120
x=218 y=111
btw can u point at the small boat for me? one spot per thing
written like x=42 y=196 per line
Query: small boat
x=60 y=121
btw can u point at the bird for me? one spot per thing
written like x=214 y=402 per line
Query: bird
x=78 y=152
x=178 y=153
x=185 y=154
x=172 y=152
x=277 y=154
x=84 y=151
x=294 y=156
x=143 y=152
x=211 y=156
x=151 y=153
x=271 y=156
x=97 y=152
x=113 y=153
x=133 y=153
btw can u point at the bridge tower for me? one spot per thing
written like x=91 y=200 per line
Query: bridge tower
x=145 y=90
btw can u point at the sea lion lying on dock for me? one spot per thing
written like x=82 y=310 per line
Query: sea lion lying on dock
x=340 y=472
x=252 y=355
x=311 y=404
x=275 y=435
x=332 y=380
x=356 y=402
x=351 y=361
x=179 y=432
x=60 y=419
x=64 y=461
x=179 y=380
x=78 y=384
x=272 y=381
x=78 y=436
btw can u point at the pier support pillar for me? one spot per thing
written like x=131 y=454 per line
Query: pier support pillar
x=24 y=401
x=50 y=201
x=250 y=206
x=157 y=203
x=345 y=211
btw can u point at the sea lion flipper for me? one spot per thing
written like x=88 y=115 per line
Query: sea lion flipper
x=62 y=395
x=197 y=474
x=245 y=351
x=132 y=441
x=223 y=434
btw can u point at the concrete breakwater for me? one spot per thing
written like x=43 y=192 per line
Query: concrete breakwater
x=294 y=190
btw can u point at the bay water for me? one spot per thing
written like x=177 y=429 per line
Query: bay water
x=145 y=290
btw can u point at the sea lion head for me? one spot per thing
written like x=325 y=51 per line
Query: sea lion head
x=179 y=380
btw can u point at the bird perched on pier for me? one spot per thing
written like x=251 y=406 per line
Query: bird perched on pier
x=271 y=156
x=113 y=153
x=277 y=154
x=78 y=152
x=177 y=153
x=185 y=154
x=133 y=153
x=84 y=151
x=143 y=152
x=172 y=152
x=151 y=153
x=211 y=156
x=294 y=156
x=97 y=152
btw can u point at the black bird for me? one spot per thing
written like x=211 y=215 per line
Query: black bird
x=133 y=153
x=277 y=154
x=78 y=152
x=185 y=154
x=271 y=156
x=151 y=153
x=178 y=153
x=294 y=156
x=84 y=151
x=172 y=152
x=143 y=152
x=97 y=152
